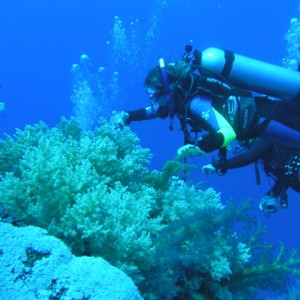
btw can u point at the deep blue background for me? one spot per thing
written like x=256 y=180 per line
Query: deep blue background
x=40 y=40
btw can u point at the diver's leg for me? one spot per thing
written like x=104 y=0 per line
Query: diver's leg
x=282 y=134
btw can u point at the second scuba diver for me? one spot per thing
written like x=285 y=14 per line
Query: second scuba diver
x=280 y=162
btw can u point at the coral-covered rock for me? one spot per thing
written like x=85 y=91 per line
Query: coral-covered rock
x=35 y=265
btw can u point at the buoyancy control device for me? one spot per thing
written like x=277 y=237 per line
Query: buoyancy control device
x=248 y=73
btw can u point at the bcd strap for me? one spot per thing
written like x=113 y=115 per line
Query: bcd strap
x=221 y=164
x=257 y=175
x=197 y=59
x=186 y=134
x=223 y=155
x=229 y=59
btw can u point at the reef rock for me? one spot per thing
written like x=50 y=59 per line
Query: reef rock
x=35 y=265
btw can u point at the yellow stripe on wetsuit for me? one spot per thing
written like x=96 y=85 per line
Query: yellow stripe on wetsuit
x=225 y=129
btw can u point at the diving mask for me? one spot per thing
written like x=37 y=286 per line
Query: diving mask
x=155 y=96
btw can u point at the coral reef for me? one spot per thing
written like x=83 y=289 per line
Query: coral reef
x=94 y=191
x=35 y=265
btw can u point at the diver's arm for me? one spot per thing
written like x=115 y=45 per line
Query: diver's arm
x=142 y=114
x=136 y=115
x=221 y=134
x=256 y=151
x=259 y=149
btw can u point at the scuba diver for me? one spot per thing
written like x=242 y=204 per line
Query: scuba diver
x=280 y=162
x=205 y=100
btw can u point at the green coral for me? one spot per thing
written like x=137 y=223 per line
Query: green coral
x=271 y=266
x=94 y=191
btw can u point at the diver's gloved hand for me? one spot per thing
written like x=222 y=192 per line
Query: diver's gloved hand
x=209 y=169
x=220 y=166
x=268 y=204
x=216 y=167
x=210 y=142
x=189 y=150
x=119 y=119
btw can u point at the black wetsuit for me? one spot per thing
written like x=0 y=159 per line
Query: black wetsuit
x=279 y=161
x=245 y=118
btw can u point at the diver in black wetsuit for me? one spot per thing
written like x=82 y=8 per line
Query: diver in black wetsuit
x=223 y=112
x=280 y=162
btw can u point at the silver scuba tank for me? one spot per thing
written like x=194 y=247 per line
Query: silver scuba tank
x=252 y=74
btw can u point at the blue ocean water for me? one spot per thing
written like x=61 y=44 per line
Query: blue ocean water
x=42 y=40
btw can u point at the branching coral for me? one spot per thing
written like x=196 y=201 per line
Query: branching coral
x=270 y=267
x=85 y=188
x=94 y=191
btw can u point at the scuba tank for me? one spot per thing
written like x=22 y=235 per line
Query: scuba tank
x=248 y=73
